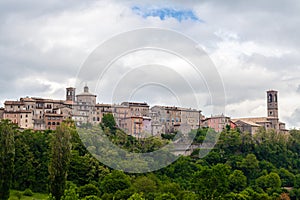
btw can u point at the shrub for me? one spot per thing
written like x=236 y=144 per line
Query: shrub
x=18 y=195
x=91 y=197
x=88 y=190
x=28 y=192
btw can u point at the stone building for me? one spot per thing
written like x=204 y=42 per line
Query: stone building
x=133 y=118
x=217 y=122
x=170 y=119
x=34 y=113
x=84 y=109
x=251 y=125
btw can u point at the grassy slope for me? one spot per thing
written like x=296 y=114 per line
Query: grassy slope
x=36 y=196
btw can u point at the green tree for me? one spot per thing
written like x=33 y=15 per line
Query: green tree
x=165 y=196
x=287 y=178
x=59 y=160
x=237 y=181
x=24 y=171
x=70 y=192
x=115 y=181
x=88 y=190
x=270 y=181
x=212 y=182
x=249 y=165
x=7 y=153
x=297 y=181
x=230 y=141
x=137 y=196
x=108 y=120
x=172 y=188
x=143 y=184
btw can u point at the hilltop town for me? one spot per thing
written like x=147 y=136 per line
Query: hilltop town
x=135 y=118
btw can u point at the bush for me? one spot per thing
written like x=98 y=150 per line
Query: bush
x=91 y=197
x=88 y=190
x=28 y=192
x=18 y=194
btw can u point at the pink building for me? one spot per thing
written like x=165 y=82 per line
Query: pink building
x=217 y=122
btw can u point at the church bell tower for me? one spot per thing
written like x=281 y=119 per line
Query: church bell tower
x=70 y=94
x=272 y=108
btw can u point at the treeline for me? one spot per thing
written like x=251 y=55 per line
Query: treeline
x=241 y=166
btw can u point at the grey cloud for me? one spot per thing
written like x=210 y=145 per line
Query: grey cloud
x=288 y=62
x=298 y=89
x=294 y=119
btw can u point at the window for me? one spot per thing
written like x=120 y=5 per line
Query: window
x=26 y=115
x=57 y=123
x=49 y=123
x=26 y=120
x=270 y=98
x=53 y=123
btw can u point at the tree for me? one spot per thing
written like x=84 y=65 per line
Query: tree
x=165 y=196
x=115 y=181
x=287 y=178
x=212 y=182
x=271 y=181
x=137 y=196
x=297 y=181
x=59 y=160
x=7 y=153
x=88 y=190
x=70 y=192
x=230 y=141
x=237 y=181
x=108 y=120
x=143 y=184
x=249 y=165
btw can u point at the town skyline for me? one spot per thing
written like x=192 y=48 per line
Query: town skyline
x=135 y=118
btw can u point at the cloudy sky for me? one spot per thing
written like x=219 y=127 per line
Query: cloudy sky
x=254 y=46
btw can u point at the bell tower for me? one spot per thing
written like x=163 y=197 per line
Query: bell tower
x=272 y=105
x=70 y=94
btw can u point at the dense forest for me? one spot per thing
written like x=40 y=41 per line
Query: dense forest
x=241 y=166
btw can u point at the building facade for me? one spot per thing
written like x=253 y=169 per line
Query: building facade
x=170 y=119
x=217 y=122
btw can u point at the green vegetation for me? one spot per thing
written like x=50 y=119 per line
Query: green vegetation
x=60 y=159
x=7 y=154
x=265 y=166
x=20 y=195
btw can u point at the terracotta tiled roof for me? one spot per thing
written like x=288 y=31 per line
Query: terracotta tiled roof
x=13 y=103
x=247 y=122
x=19 y=111
x=27 y=99
x=253 y=119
